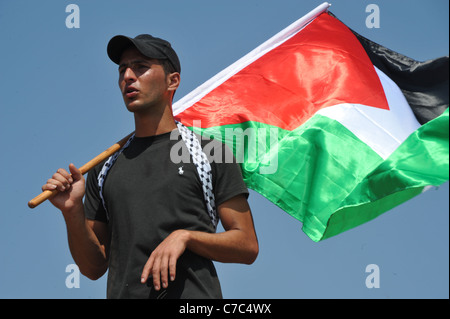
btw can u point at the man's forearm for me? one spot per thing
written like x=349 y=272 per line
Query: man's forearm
x=237 y=244
x=232 y=246
x=87 y=251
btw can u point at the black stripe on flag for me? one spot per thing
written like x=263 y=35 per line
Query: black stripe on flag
x=425 y=85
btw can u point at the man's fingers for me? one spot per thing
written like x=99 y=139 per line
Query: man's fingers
x=147 y=269
x=49 y=186
x=158 y=267
x=76 y=174
x=156 y=273
x=164 y=271
x=162 y=262
x=172 y=268
x=61 y=180
x=53 y=184
x=63 y=173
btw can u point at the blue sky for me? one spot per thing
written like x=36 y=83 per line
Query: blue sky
x=61 y=104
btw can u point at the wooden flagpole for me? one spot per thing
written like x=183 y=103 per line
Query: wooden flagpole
x=83 y=169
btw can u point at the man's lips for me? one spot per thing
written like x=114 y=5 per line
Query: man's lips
x=131 y=92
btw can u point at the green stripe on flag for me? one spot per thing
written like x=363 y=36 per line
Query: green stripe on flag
x=311 y=164
x=422 y=160
x=326 y=177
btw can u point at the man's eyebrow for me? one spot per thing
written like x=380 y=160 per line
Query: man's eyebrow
x=134 y=62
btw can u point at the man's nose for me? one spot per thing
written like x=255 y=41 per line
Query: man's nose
x=129 y=75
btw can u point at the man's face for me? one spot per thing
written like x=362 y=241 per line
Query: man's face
x=142 y=81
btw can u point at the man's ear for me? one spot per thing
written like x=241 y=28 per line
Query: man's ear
x=173 y=81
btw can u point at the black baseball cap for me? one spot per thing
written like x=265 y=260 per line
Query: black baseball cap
x=148 y=45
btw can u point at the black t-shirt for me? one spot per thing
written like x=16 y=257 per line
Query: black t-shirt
x=149 y=194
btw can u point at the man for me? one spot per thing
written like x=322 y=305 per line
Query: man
x=148 y=223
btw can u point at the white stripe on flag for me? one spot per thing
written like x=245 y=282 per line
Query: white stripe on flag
x=382 y=130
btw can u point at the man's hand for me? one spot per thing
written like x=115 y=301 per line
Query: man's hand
x=89 y=240
x=163 y=260
x=71 y=188
x=237 y=244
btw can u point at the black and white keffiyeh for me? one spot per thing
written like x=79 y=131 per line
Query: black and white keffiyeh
x=199 y=159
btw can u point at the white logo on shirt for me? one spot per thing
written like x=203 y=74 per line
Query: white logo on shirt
x=180 y=170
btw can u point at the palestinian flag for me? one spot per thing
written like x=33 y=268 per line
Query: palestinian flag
x=329 y=126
